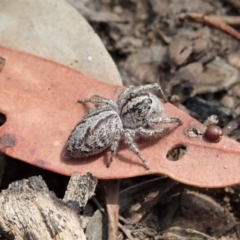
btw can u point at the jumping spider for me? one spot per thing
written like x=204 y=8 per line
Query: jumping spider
x=135 y=113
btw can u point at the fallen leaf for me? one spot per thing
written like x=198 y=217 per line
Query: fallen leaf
x=209 y=214
x=94 y=15
x=56 y=31
x=39 y=99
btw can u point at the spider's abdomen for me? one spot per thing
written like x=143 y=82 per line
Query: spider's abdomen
x=94 y=133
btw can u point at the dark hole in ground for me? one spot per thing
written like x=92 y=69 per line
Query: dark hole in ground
x=2 y=119
x=177 y=152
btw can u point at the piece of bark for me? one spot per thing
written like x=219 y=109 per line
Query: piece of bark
x=30 y=211
x=81 y=188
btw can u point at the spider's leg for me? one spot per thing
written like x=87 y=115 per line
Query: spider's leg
x=146 y=133
x=133 y=147
x=125 y=94
x=154 y=121
x=96 y=100
x=114 y=146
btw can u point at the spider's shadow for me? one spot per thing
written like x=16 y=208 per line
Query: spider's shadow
x=141 y=143
x=87 y=106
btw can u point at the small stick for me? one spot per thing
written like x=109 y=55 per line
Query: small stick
x=230 y=20
x=120 y=226
x=125 y=231
x=211 y=22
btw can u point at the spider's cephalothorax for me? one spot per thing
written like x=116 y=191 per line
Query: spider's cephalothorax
x=136 y=112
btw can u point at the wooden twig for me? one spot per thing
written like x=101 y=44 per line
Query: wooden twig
x=196 y=17
x=120 y=226
x=230 y=20
x=125 y=231
x=111 y=188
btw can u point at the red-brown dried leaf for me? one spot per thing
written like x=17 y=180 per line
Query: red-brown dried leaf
x=39 y=99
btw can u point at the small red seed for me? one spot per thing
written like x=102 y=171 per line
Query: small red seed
x=213 y=133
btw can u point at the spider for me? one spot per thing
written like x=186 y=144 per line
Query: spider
x=136 y=113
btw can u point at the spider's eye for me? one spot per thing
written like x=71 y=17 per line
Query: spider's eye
x=147 y=101
x=136 y=110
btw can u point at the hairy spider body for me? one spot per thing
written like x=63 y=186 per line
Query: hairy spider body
x=94 y=133
x=136 y=112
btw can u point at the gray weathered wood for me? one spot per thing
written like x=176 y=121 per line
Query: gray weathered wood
x=28 y=210
x=81 y=188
